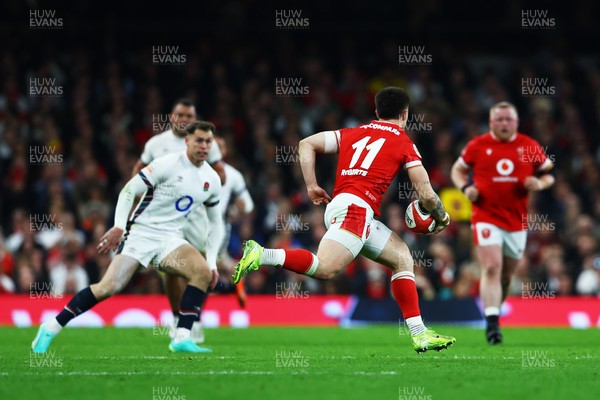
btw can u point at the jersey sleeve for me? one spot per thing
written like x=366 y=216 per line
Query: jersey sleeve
x=467 y=157
x=156 y=172
x=238 y=183
x=148 y=154
x=214 y=154
x=412 y=157
x=541 y=162
x=339 y=133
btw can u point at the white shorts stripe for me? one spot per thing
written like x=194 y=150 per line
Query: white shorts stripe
x=313 y=267
x=404 y=275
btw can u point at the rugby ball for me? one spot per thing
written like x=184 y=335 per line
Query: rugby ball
x=418 y=219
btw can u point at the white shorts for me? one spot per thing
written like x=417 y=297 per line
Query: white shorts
x=349 y=221
x=149 y=246
x=512 y=243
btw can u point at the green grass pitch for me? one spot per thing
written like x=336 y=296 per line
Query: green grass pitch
x=301 y=363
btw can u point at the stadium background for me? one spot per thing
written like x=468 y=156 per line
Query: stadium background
x=114 y=96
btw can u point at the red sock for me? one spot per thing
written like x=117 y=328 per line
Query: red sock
x=405 y=293
x=299 y=260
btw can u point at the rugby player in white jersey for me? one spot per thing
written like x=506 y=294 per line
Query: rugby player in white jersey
x=173 y=141
x=173 y=187
x=234 y=192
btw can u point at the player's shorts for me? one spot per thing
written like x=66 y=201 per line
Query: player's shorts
x=512 y=243
x=349 y=221
x=149 y=246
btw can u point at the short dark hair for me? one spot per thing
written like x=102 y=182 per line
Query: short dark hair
x=184 y=101
x=390 y=102
x=200 y=125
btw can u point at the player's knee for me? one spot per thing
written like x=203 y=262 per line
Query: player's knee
x=405 y=263
x=327 y=270
x=200 y=273
x=491 y=269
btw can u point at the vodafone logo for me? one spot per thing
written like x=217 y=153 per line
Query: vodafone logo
x=505 y=167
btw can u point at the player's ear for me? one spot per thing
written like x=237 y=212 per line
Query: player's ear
x=376 y=114
x=404 y=115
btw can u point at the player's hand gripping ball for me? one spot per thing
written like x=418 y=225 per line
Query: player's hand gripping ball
x=418 y=219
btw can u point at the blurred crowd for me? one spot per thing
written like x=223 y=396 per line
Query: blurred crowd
x=65 y=156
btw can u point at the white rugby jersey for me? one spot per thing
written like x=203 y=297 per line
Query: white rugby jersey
x=174 y=188
x=234 y=186
x=167 y=142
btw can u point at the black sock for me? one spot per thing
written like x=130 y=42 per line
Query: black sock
x=492 y=321
x=80 y=303
x=189 y=310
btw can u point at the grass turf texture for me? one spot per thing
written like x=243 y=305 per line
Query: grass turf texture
x=301 y=363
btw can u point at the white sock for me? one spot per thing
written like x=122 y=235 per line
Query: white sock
x=415 y=325
x=272 y=257
x=53 y=326
x=491 y=311
x=181 y=334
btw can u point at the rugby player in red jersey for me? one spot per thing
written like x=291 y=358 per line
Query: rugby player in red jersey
x=504 y=164
x=370 y=156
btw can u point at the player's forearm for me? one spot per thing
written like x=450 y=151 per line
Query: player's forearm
x=547 y=181
x=307 y=155
x=215 y=236
x=133 y=188
x=434 y=205
x=459 y=177
x=245 y=203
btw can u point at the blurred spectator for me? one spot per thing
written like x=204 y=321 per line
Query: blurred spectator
x=68 y=276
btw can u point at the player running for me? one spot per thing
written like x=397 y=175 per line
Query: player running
x=503 y=162
x=173 y=141
x=173 y=187
x=370 y=156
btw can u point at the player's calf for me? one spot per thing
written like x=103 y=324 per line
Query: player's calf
x=189 y=263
